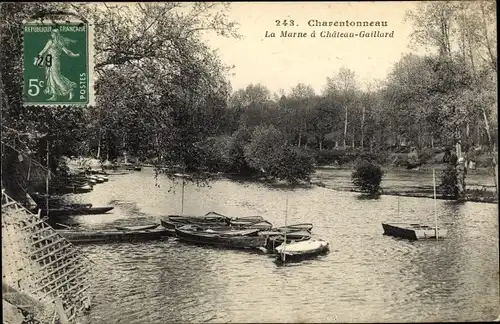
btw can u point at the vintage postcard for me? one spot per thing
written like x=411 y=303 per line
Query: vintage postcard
x=249 y=162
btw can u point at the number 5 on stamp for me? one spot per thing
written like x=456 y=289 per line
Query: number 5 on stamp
x=58 y=63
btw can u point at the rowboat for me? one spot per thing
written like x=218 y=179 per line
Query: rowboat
x=275 y=240
x=248 y=219
x=262 y=225
x=191 y=234
x=233 y=232
x=301 y=250
x=293 y=235
x=300 y=226
x=172 y=223
x=72 y=211
x=245 y=221
x=137 y=228
x=80 y=237
x=166 y=223
x=208 y=218
x=413 y=231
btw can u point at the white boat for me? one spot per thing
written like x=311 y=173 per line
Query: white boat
x=413 y=231
x=302 y=249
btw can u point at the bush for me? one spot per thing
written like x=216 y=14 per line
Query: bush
x=326 y=157
x=367 y=177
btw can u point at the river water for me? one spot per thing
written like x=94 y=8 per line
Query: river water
x=366 y=277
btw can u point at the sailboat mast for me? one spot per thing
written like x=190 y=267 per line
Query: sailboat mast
x=398 y=206
x=435 y=201
x=283 y=256
x=182 y=198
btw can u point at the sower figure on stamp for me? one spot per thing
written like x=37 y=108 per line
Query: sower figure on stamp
x=56 y=83
x=461 y=174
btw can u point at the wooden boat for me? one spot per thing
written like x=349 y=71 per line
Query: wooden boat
x=300 y=226
x=76 y=189
x=413 y=231
x=301 y=250
x=137 y=228
x=72 y=211
x=292 y=235
x=245 y=221
x=79 y=205
x=95 y=179
x=167 y=223
x=233 y=232
x=276 y=240
x=206 y=220
x=223 y=239
x=173 y=225
x=106 y=236
x=263 y=225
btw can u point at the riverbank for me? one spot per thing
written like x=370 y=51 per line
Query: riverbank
x=396 y=182
x=411 y=183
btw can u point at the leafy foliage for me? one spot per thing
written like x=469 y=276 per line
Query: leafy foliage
x=367 y=177
x=269 y=153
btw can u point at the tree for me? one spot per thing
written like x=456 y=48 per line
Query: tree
x=236 y=152
x=160 y=90
x=269 y=152
x=465 y=35
x=344 y=84
x=265 y=145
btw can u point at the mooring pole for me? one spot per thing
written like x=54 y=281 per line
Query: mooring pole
x=283 y=251
x=435 y=201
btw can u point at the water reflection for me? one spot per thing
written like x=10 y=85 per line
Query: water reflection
x=366 y=277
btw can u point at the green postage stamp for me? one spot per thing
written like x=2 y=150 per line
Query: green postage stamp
x=58 y=63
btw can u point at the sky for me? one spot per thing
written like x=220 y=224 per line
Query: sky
x=281 y=63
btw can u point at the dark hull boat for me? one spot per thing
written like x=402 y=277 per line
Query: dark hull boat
x=109 y=236
x=301 y=226
x=227 y=239
x=262 y=224
x=204 y=226
x=195 y=220
x=73 y=211
x=413 y=231
x=245 y=221
x=173 y=223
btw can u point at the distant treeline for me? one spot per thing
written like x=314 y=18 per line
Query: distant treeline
x=163 y=94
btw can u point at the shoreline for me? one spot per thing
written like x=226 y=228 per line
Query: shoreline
x=414 y=194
